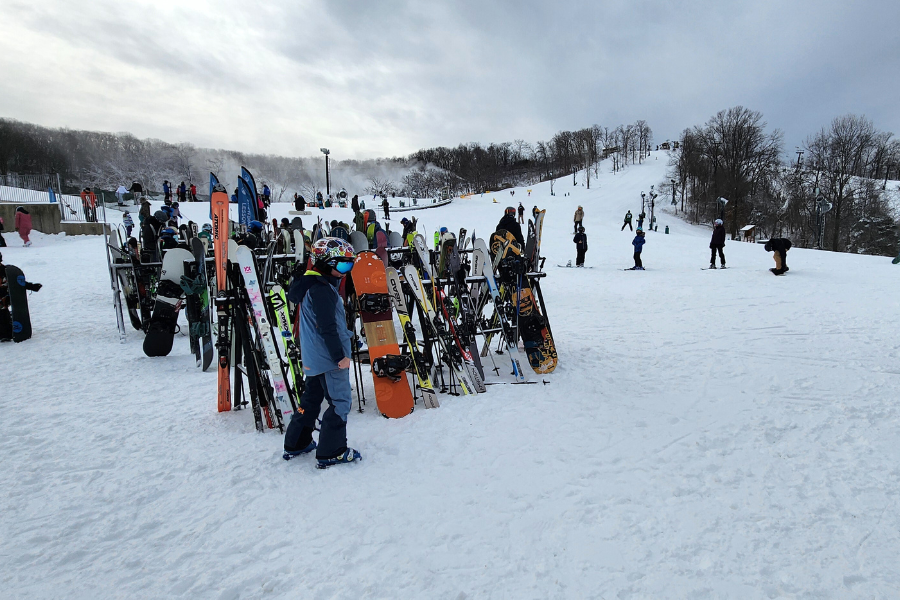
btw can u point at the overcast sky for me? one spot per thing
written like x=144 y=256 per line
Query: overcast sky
x=384 y=78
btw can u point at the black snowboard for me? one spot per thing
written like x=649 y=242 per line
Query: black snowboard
x=18 y=298
x=164 y=322
x=204 y=331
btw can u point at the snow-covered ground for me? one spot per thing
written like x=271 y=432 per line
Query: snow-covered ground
x=707 y=434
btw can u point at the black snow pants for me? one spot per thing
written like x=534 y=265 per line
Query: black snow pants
x=637 y=260
x=712 y=258
x=332 y=430
x=579 y=260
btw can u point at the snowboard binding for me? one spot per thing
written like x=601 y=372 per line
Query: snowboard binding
x=375 y=303
x=391 y=366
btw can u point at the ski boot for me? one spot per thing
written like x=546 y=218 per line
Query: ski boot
x=289 y=454
x=349 y=455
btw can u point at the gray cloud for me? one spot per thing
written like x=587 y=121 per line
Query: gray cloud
x=386 y=78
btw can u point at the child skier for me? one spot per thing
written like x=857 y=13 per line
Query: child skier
x=717 y=243
x=627 y=222
x=581 y=246
x=128 y=223
x=325 y=340
x=779 y=246
x=638 y=244
x=23 y=224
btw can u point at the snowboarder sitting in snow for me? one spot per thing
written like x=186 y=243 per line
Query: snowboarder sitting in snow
x=638 y=244
x=5 y=317
x=581 y=246
x=779 y=246
x=717 y=243
x=508 y=222
x=325 y=340
x=627 y=222
x=579 y=217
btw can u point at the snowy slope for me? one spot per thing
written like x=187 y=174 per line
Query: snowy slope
x=707 y=434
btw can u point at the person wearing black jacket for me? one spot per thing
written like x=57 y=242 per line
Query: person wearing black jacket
x=717 y=243
x=354 y=204
x=779 y=246
x=508 y=222
x=581 y=246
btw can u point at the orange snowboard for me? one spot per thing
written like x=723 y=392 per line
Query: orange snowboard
x=394 y=398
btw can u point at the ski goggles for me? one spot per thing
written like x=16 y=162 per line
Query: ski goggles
x=344 y=266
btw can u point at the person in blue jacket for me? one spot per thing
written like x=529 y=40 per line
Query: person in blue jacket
x=638 y=244
x=167 y=190
x=325 y=340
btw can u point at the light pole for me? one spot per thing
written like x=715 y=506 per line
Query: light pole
x=326 y=152
x=799 y=154
x=822 y=207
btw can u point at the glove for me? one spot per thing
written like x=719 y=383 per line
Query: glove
x=34 y=287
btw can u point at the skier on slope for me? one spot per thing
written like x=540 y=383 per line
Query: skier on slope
x=638 y=243
x=579 y=217
x=521 y=213
x=641 y=218
x=6 y=330
x=581 y=246
x=387 y=209
x=717 y=243
x=627 y=222
x=779 y=246
x=508 y=222
x=325 y=340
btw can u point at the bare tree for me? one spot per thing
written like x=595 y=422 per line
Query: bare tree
x=843 y=151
